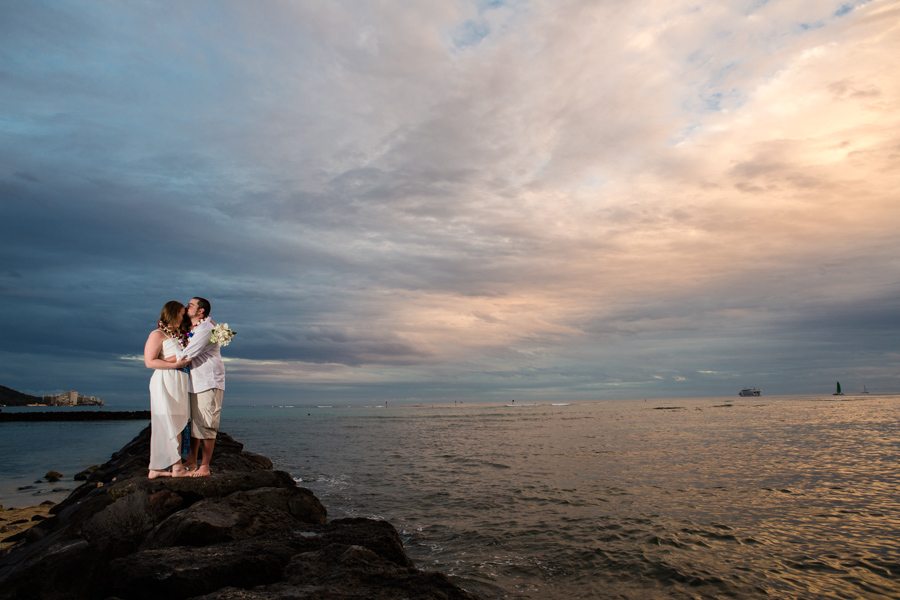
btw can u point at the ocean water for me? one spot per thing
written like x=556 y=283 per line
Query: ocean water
x=684 y=498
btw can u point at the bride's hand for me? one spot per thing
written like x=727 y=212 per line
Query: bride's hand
x=182 y=363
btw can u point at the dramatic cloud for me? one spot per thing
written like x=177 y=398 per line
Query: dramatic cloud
x=477 y=200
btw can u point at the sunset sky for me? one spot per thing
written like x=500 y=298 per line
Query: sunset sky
x=438 y=201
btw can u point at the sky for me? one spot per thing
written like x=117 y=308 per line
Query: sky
x=455 y=200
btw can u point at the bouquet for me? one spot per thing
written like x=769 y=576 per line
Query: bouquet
x=221 y=334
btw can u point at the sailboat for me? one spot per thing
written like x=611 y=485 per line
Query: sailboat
x=838 y=391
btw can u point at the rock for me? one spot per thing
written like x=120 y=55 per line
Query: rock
x=183 y=572
x=240 y=515
x=83 y=475
x=53 y=476
x=247 y=531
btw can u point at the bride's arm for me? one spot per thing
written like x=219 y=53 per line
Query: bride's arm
x=152 y=350
x=198 y=344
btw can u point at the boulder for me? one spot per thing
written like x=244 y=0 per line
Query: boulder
x=53 y=476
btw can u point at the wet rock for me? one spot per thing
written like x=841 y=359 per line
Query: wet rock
x=53 y=476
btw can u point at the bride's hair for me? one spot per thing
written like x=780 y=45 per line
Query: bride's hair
x=169 y=316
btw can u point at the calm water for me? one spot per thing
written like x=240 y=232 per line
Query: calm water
x=762 y=497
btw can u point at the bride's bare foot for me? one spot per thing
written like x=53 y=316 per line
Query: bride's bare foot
x=190 y=466
x=153 y=474
x=202 y=471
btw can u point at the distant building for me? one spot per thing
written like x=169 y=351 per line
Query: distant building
x=72 y=398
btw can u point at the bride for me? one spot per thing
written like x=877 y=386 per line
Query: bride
x=170 y=407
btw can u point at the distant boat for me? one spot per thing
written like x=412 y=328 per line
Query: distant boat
x=746 y=392
x=838 y=391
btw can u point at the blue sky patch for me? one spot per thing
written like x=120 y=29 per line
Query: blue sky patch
x=470 y=33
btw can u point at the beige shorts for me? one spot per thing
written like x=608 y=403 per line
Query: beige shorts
x=206 y=408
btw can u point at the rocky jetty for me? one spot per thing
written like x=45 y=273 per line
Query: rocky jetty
x=246 y=532
x=77 y=415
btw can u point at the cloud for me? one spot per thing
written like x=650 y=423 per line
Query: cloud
x=476 y=198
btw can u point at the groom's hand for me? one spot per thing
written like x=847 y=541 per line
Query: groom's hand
x=182 y=363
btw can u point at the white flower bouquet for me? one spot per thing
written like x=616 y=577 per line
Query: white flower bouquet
x=221 y=334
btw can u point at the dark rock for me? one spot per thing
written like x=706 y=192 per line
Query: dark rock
x=245 y=532
x=378 y=536
x=240 y=515
x=53 y=476
x=25 y=487
x=83 y=475
x=183 y=572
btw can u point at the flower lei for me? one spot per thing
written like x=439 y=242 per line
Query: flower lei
x=176 y=334
x=189 y=334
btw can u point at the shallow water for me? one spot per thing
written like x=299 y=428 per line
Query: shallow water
x=30 y=450
x=750 y=498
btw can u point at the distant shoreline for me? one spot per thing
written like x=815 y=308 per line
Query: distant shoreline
x=81 y=415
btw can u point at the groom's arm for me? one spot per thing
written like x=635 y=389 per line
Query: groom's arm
x=198 y=345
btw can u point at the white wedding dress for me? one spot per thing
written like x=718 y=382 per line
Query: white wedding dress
x=170 y=409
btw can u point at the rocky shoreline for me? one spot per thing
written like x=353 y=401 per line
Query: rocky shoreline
x=247 y=532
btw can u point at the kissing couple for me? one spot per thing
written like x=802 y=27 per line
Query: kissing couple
x=188 y=383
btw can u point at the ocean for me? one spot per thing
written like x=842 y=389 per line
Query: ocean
x=680 y=498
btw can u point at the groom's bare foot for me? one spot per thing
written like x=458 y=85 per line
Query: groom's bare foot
x=191 y=466
x=153 y=474
x=179 y=471
x=202 y=471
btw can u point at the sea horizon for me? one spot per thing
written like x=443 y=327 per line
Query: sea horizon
x=132 y=405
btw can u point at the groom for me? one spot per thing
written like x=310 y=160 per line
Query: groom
x=207 y=383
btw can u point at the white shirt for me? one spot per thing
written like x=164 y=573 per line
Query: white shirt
x=207 y=368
